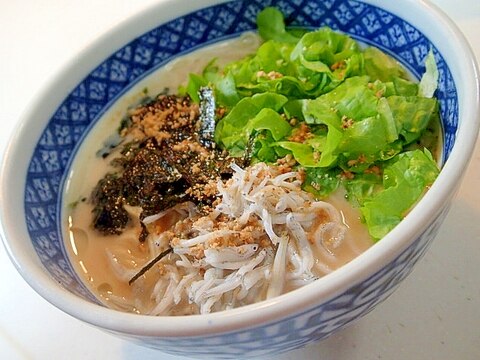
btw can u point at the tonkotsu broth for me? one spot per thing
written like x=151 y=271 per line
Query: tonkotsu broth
x=91 y=252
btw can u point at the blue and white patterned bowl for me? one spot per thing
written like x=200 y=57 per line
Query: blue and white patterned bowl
x=39 y=154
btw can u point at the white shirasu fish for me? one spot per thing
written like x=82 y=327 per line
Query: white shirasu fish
x=280 y=254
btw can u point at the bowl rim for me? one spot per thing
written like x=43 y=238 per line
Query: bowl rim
x=16 y=159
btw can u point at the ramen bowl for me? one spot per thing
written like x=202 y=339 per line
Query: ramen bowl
x=40 y=153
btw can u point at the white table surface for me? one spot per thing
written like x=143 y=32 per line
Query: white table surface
x=434 y=315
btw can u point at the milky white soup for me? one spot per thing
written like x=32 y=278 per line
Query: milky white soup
x=260 y=236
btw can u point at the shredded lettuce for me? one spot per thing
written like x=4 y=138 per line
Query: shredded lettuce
x=367 y=122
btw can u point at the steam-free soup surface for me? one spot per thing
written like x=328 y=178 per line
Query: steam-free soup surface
x=94 y=255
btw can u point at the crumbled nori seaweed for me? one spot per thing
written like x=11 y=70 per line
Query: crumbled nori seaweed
x=109 y=215
x=145 y=180
x=155 y=177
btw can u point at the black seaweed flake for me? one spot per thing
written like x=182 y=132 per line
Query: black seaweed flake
x=150 y=265
x=172 y=165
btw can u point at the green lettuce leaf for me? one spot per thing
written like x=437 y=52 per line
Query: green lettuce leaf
x=195 y=82
x=405 y=178
x=305 y=154
x=362 y=187
x=352 y=99
x=324 y=59
x=412 y=115
x=359 y=123
x=321 y=181
x=271 y=26
x=253 y=114
x=429 y=82
x=381 y=66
